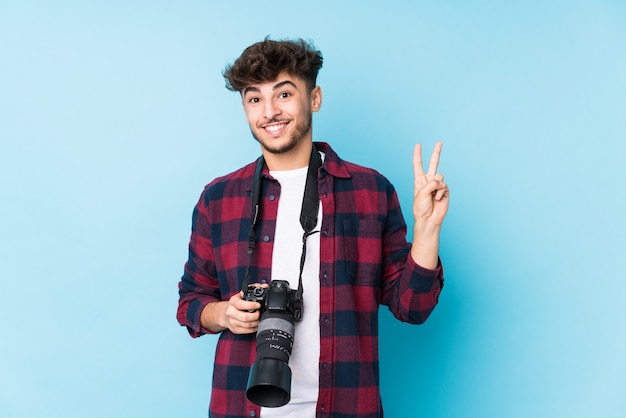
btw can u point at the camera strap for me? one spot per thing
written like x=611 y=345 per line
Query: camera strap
x=308 y=213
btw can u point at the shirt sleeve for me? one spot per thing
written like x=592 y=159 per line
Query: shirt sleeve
x=199 y=284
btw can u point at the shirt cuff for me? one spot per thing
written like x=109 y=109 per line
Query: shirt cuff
x=423 y=279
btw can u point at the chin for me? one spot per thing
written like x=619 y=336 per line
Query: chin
x=276 y=146
x=279 y=149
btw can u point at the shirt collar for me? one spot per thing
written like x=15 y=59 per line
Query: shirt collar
x=334 y=165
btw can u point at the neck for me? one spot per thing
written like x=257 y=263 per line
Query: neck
x=296 y=158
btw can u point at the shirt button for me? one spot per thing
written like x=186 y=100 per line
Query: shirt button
x=252 y=413
x=325 y=233
x=272 y=197
x=326 y=320
x=263 y=281
x=266 y=238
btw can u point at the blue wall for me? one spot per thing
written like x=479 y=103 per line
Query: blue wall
x=113 y=116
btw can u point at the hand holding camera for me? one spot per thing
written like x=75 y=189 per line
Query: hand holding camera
x=238 y=315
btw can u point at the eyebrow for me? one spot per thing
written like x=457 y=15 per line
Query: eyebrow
x=284 y=83
x=276 y=87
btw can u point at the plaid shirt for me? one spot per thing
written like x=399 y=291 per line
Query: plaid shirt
x=364 y=262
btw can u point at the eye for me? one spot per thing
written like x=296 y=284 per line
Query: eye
x=254 y=100
x=284 y=95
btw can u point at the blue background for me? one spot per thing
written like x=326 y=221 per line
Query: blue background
x=113 y=116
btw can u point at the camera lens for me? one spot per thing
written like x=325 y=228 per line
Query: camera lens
x=269 y=383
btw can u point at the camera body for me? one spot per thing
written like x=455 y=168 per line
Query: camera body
x=269 y=382
x=279 y=297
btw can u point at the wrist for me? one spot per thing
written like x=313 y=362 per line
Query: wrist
x=426 y=230
x=211 y=317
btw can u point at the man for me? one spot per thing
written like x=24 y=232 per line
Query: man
x=355 y=258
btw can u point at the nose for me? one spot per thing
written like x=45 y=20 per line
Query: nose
x=270 y=109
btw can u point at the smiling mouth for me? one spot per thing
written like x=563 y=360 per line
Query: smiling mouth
x=274 y=128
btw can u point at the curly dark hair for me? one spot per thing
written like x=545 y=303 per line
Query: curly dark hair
x=264 y=61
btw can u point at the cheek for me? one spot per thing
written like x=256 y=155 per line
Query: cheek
x=251 y=116
x=301 y=109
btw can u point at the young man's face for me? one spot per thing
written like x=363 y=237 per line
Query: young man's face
x=280 y=112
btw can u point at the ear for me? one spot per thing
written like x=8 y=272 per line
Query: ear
x=316 y=98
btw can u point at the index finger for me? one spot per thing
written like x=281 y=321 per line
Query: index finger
x=418 y=169
x=434 y=159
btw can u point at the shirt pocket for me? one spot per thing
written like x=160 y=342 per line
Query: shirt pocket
x=361 y=257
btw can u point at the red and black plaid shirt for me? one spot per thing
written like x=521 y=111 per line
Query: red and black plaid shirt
x=364 y=262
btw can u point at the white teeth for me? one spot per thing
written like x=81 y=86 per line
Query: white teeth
x=274 y=128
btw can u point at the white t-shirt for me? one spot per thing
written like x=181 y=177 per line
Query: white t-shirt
x=304 y=360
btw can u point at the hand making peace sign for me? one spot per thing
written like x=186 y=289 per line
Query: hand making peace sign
x=431 y=193
x=430 y=205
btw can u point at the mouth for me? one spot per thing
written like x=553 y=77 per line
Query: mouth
x=275 y=128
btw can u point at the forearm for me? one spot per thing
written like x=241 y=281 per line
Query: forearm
x=425 y=246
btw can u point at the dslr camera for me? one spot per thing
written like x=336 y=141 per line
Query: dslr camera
x=269 y=382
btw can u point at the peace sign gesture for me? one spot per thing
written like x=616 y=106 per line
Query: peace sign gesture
x=430 y=205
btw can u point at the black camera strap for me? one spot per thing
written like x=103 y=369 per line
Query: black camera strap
x=308 y=213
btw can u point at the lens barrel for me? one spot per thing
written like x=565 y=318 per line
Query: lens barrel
x=269 y=382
